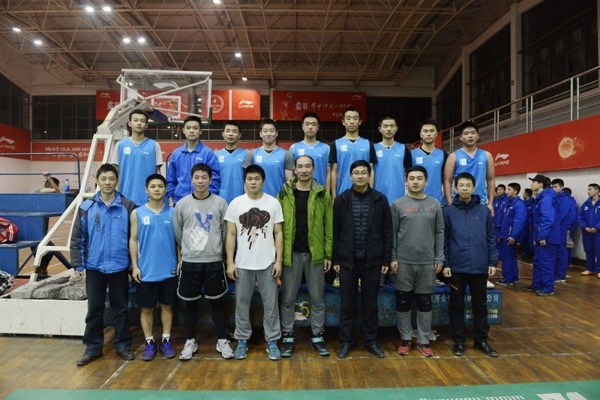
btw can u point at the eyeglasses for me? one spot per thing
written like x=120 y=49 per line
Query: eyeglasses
x=360 y=173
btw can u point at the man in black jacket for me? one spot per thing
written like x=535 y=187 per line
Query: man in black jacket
x=362 y=251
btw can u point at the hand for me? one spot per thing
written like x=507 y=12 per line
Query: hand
x=438 y=268
x=136 y=274
x=232 y=271
x=394 y=267
x=336 y=268
x=491 y=271
x=384 y=269
x=511 y=241
x=447 y=272
x=179 y=267
x=542 y=242
x=491 y=208
x=277 y=269
x=326 y=265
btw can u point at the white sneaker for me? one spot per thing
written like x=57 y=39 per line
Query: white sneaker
x=224 y=347
x=490 y=285
x=188 y=350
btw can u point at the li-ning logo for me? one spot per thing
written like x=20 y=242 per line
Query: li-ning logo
x=501 y=159
x=246 y=104
x=9 y=143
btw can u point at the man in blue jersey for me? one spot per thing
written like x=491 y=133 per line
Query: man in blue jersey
x=566 y=215
x=99 y=246
x=347 y=149
x=475 y=161
x=432 y=159
x=393 y=159
x=137 y=157
x=154 y=264
x=313 y=148
x=231 y=162
x=185 y=157
x=277 y=163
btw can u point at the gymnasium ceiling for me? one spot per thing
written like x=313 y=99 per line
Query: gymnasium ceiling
x=355 y=41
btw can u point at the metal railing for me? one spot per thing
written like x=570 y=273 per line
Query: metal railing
x=564 y=101
x=77 y=172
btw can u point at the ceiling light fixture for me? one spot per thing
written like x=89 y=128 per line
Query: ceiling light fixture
x=141 y=40
x=107 y=8
x=15 y=29
x=216 y=1
x=38 y=42
x=89 y=9
x=244 y=78
x=238 y=55
x=126 y=40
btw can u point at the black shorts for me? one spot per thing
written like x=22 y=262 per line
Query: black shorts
x=202 y=278
x=148 y=294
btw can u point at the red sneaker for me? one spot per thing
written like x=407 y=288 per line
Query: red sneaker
x=404 y=348
x=425 y=349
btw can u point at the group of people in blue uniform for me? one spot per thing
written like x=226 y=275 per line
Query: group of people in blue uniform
x=243 y=201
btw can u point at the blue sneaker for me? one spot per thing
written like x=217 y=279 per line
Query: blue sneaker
x=166 y=349
x=273 y=351
x=149 y=351
x=544 y=293
x=241 y=350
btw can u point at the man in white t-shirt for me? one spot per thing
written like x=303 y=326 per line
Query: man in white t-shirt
x=254 y=221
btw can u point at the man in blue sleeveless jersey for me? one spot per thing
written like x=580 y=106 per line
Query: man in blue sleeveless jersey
x=347 y=149
x=432 y=159
x=137 y=157
x=185 y=157
x=393 y=159
x=277 y=163
x=475 y=161
x=313 y=148
x=154 y=264
x=231 y=161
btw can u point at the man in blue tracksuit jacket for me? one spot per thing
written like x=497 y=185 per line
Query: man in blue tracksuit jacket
x=589 y=222
x=185 y=157
x=511 y=232
x=527 y=242
x=470 y=257
x=566 y=216
x=546 y=237
x=99 y=244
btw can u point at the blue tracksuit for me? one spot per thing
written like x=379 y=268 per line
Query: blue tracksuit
x=527 y=242
x=589 y=217
x=566 y=215
x=545 y=227
x=499 y=207
x=513 y=226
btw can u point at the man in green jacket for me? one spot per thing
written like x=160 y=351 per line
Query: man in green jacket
x=308 y=246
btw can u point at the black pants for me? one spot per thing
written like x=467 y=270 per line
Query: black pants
x=369 y=288
x=478 y=290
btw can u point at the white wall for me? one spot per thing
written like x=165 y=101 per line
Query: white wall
x=578 y=180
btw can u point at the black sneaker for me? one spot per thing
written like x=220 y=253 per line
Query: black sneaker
x=287 y=345
x=318 y=343
x=530 y=288
x=502 y=282
x=458 y=349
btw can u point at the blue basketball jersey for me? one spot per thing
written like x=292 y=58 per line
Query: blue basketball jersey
x=347 y=152
x=274 y=165
x=319 y=153
x=136 y=163
x=156 y=244
x=232 y=173
x=434 y=164
x=389 y=170
x=476 y=166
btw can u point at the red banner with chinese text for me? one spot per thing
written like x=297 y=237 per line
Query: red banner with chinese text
x=292 y=105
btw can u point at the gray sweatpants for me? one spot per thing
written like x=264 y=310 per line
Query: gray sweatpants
x=244 y=290
x=315 y=280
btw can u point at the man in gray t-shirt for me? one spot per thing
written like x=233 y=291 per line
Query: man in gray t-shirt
x=417 y=256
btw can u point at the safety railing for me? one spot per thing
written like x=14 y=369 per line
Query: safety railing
x=77 y=161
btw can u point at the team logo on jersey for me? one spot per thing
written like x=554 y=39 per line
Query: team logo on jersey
x=462 y=161
x=344 y=147
x=380 y=153
x=146 y=220
x=127 y=150
x=419 y=160
x=258 y=159
x=300 y=152
x=221 y=159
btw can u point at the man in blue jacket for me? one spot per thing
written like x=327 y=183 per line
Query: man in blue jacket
x=185 y=157
x=566 y=216
x=511 y=232
x=470 y=257
x=589 y=221
x=99 y=244
x=546 y=237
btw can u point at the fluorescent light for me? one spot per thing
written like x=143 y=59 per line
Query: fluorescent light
x=238 y=55
x=126 y=40
x=141 y=39
x=107 y=8
x=216 y=1
x=15 y=29
x=89 y=9
x=38 y=42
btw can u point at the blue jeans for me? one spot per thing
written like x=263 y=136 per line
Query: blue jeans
x=96 y=284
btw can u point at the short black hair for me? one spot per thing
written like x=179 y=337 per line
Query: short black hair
x=503 y=186
x=354 y=109
x=568 y=191
x=307 y=156
x=234 y=123
x=202 y=167
x=558 y=181
x=528 y=191
x=515 y=186
x=253 y=168
x=155 y=176
x=267 y=121
x=360 y=163
x=138 y=111
x=464 y=175
x=594 y=185
x=193 y=118
x=107 y=168
x=311 y=114
x=429 y=121
x=387 y=117
x=415 y=168
x=468 y=124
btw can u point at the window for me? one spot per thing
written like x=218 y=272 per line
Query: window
x=14 y=104
x=449 y=102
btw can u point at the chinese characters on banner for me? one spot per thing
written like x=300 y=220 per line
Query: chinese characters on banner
x=292 y=105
